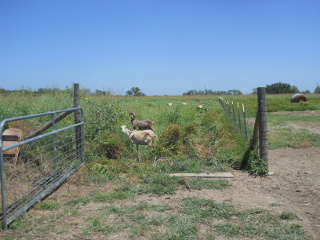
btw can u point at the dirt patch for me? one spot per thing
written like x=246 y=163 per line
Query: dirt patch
x=300 y=113
x=313 y=127
x=293 y=187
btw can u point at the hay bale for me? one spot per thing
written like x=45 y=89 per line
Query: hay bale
x=298 y=98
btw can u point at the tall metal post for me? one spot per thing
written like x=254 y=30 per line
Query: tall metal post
x=262 y=110
x=77 y=119
x=54 y=136
x=3 y=186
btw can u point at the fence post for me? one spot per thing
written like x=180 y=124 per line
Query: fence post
x=239 y=118
x=77 y=119
x=262 y=110
x=245 y=122
x=233 y=114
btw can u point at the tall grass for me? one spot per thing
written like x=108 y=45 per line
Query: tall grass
x=189 y=141
x=206 y=137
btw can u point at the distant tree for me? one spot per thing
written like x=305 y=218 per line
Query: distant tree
x=210 y=92
x=295 y=89
x=254 y=91
x=191 y=92
x=277 y=88
x=129 y=93
x=2 y=90
x=306 y=92
x=135 y=91
x=102 y=93
x=139 y=94
x=85 y=91
x=234 y=92
x=317 y=90
x=48 y=90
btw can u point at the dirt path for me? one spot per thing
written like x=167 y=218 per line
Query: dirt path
x=293 y=187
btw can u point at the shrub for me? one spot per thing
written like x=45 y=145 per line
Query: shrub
x=171 y=137
x=109 y=145
x=257 y=166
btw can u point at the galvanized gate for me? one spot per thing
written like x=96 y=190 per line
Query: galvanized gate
x=36 y=163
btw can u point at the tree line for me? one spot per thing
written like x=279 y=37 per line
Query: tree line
x=275 y=88
x=210 y=92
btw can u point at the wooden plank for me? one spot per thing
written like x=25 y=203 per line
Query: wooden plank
x=203 y=175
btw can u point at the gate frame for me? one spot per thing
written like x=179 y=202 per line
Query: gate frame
x=79 y=135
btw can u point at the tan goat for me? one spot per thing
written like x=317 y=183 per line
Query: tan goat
x=145 y=137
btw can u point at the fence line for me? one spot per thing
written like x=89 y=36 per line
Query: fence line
x=235 y=116
x=260 y=126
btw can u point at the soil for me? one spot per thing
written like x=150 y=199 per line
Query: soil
x=293 y=185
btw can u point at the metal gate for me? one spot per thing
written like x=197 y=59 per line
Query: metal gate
x=37 y=163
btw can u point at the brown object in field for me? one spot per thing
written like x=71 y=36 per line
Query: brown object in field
x=11 y=136
x=298 y=98
x=140 y=124
x=204 y=175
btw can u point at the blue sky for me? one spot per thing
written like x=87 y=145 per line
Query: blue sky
x=164 y=47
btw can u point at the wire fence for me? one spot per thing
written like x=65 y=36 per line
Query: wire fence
x=236 y=115
x=46 y=158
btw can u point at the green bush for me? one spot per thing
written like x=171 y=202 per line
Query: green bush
x=171 y=138
x=109 y=145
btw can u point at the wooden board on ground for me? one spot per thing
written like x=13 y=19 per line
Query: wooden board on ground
x=204 y=175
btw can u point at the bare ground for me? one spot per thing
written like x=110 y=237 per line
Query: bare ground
x=293 y=186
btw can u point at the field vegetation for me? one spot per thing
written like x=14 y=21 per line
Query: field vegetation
x=189 y=141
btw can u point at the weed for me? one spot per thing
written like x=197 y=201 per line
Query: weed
x=159 y=184
x=203 y=209
x=46 y=205
x=257 y=166
x=289 y=216
x=198 y=184
x=171 y=138
x=109 y=145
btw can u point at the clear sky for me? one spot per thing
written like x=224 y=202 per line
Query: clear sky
x=164 y=47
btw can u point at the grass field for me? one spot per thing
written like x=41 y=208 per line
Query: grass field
x=189 y=141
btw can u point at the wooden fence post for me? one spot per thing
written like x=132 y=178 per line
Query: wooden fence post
x=262 y=111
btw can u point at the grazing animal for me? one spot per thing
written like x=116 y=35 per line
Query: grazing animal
x=298 y=98
x=145 y=137
x=184 y=103
x=201 y=108
x=170 y=104
x=140 y=124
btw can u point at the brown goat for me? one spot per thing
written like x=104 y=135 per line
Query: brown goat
x=140 y=124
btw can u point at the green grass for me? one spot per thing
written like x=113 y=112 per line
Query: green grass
x=153 y=221
x=283 y=135
x=153 y=185
x=287 y=137
x=46 y=205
